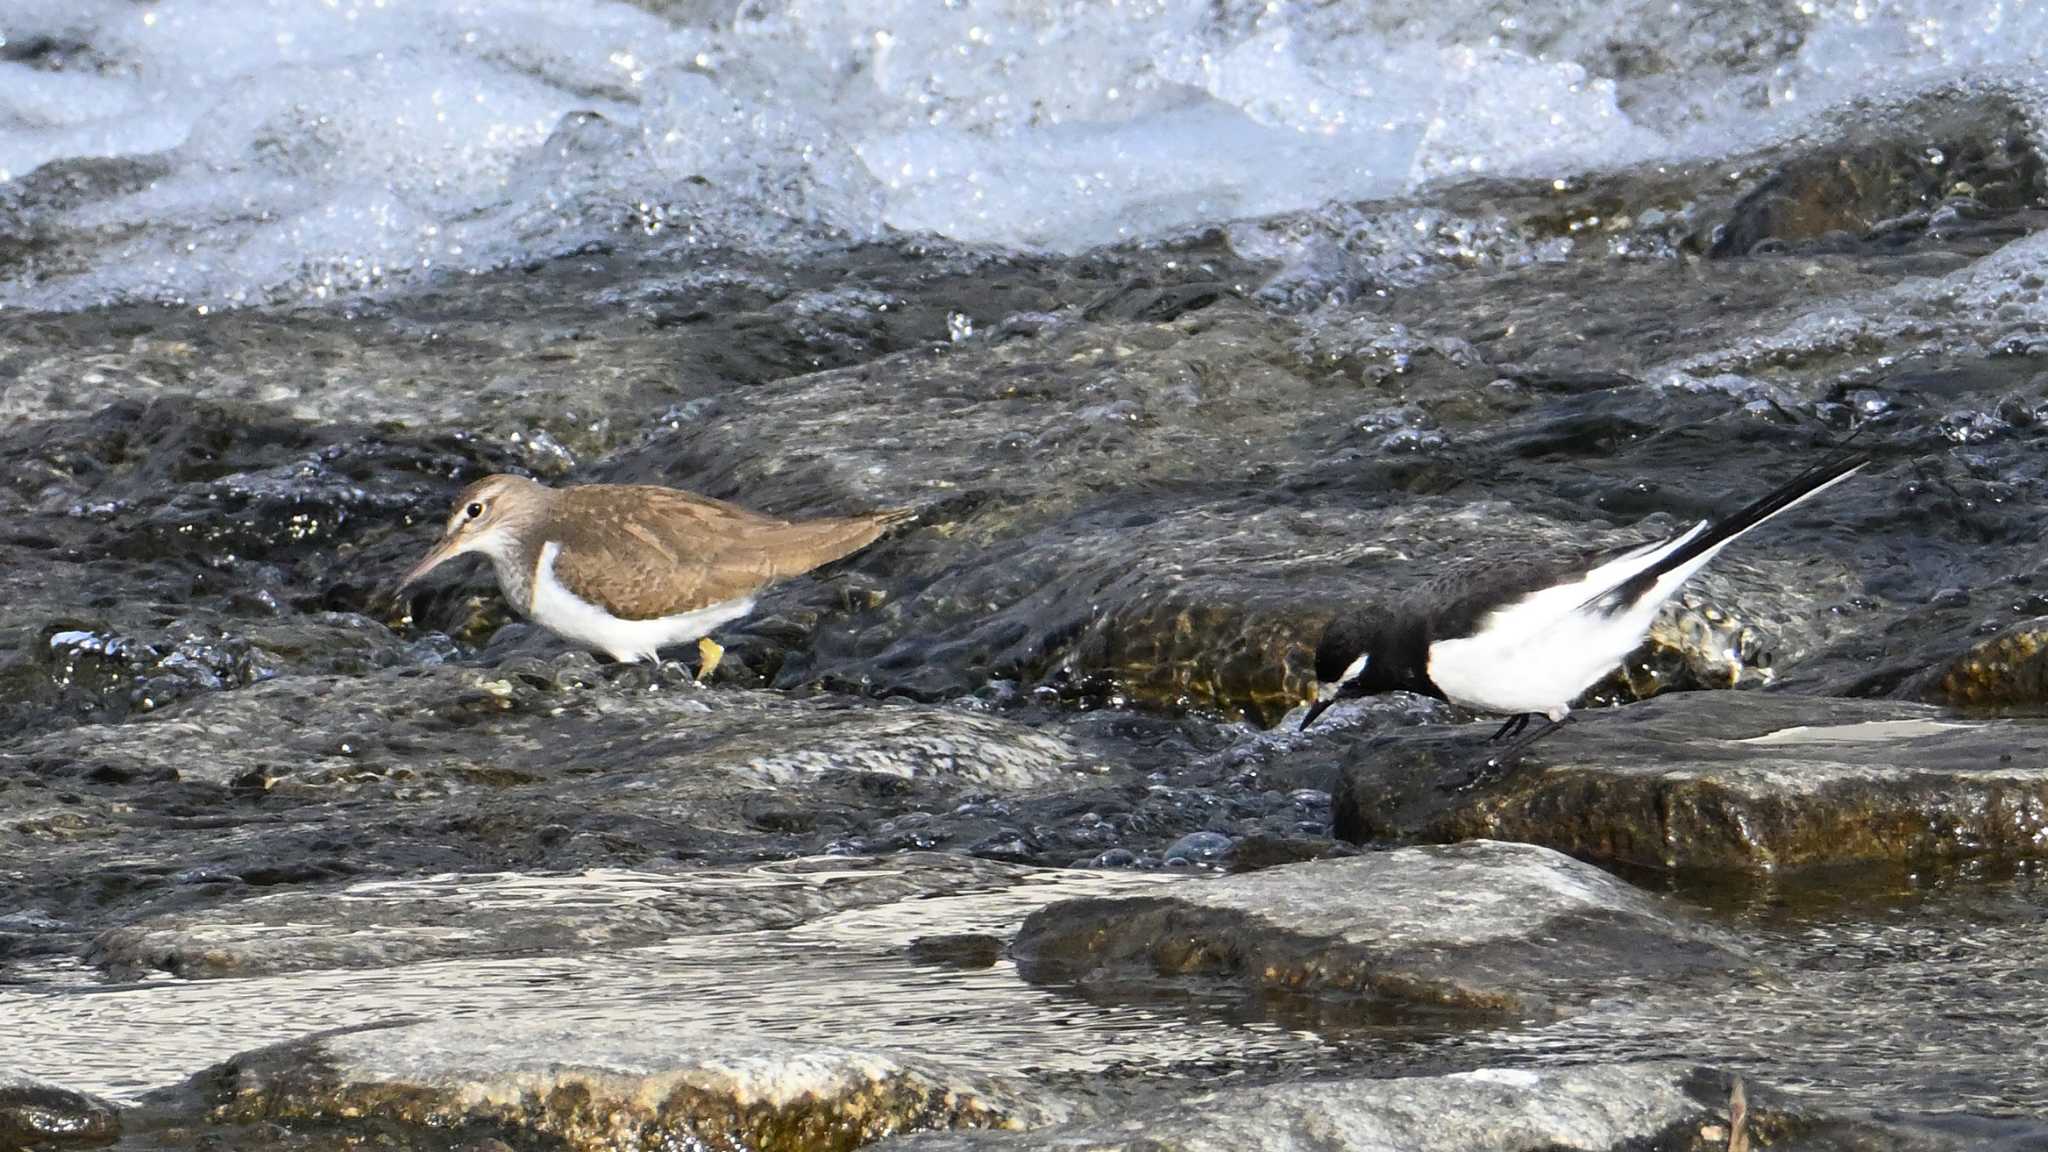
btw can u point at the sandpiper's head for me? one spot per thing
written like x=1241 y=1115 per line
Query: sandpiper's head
x=1344 y=663
x=486 y=519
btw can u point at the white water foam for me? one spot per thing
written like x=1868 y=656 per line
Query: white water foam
x=319 y=148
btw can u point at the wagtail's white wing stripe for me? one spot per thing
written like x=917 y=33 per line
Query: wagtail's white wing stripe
x=1538 y=610
x=1540 y=652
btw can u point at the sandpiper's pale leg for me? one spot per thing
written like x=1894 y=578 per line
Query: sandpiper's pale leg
x=710 y=653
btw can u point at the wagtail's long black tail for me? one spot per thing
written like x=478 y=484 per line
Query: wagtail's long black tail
x=1784 y=498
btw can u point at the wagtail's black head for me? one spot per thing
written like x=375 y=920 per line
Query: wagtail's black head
x=1344 y=663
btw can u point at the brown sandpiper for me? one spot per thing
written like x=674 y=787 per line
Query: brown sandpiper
x=631 y=568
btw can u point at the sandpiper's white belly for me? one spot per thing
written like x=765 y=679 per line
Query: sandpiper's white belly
x=569 y=615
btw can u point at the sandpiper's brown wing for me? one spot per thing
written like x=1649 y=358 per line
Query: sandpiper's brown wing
x=644 y=552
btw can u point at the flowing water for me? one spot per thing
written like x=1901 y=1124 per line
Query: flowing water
x=1180 y=323
x=1927 y=1001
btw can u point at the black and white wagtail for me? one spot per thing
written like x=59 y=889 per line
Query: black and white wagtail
x=1527 y=639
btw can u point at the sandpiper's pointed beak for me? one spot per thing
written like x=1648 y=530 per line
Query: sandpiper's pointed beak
x=442 y=552
x=1315 y=709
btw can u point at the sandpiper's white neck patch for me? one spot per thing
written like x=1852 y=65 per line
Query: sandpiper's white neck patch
x=1352 y=671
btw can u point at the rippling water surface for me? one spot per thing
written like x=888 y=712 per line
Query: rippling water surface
x=1932 y=1001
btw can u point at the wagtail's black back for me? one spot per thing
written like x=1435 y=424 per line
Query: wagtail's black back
x=1529 y=638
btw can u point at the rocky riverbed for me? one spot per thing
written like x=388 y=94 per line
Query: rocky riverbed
x=1000 y=833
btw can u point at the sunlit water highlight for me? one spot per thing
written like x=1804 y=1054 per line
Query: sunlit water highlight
x=1937 y=1004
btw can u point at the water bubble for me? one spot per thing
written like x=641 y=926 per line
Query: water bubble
x=1200 y=849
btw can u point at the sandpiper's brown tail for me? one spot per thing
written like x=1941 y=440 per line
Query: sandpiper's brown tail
x=808 y=544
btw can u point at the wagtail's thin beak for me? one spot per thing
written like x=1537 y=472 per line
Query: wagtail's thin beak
x=1314 y=710
x=438 y=555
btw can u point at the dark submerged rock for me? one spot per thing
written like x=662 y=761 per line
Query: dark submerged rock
x=571 y=776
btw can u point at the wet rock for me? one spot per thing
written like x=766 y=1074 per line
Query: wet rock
x=529 y=766
x=925 y=974
x=1020 y=569
x=1593 y=1108
x=1197 y=583
x=345 y=735
x=604 y=340
x=2007 y=670
x=181 y=548
x=1958 y=169
x=1497 y=1110
x=1482 y=926
x=1723 y=781
x=394 y=922
x=1942 y=164
x=32 y=203
x=594 y=1088
x=35 y=1115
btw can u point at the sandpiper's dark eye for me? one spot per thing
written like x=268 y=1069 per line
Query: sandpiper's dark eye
x=474 y=510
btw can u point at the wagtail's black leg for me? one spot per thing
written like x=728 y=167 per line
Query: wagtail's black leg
x=1516 y=747
x=1514 y=724
x=1496 y=763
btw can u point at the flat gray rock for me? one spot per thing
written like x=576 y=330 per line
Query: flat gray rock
x=390 y=922
x=589 y=1087
x=1483 y=925
x=1743 y=781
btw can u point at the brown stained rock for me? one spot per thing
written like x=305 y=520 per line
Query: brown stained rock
x=2007 y=670
x=585 y=1088
x=1739 y=782
x=1974 y=155
x=1215 y=656
x=1482 y=927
